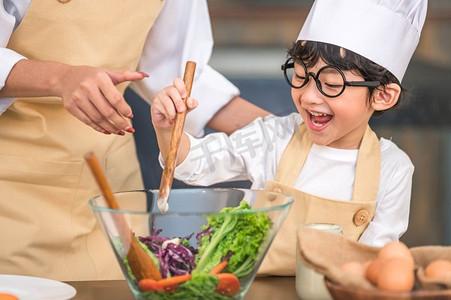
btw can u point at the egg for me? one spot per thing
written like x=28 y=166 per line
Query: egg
x=5 y=296
x=353 y=267
x=438 y=269
x=396 y=275
x=372 y=271
x=396 y=250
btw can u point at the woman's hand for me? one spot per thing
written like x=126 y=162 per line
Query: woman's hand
x=167 y=103
x=90 y=94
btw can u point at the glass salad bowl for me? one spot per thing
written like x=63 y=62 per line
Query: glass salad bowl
x=209 y=245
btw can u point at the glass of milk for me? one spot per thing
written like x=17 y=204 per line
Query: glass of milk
x=310 y=284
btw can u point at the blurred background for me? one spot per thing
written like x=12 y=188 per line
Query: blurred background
x=251 y=40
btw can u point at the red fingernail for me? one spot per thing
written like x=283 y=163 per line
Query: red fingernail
x=121 y=133
x=130 y=129
x=143 y=74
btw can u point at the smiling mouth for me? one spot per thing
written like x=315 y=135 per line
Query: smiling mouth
x=318 y=120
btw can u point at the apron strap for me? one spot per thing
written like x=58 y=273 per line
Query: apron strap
x=368 y=168
x=293 y=157
x=366 y=182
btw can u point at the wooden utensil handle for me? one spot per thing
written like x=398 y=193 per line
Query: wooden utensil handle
x=121 y=224
x=140 y=263
x=171 y=158
x=102 y=182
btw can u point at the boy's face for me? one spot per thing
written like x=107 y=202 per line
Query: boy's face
x=335 y=122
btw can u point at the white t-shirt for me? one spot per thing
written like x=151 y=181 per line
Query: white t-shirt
x=181 y=32
x=253 y=153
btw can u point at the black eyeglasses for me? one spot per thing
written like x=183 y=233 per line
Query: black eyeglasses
x=330 y=80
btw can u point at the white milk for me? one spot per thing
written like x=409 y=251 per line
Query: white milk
x=310 y=284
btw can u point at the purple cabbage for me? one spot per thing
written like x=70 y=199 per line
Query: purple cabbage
x=174 y=259
x=206 y=232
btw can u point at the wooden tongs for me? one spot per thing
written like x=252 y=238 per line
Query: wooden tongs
x=171 y=158
x=140 y=263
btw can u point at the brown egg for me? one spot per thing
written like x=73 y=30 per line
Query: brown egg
x=354 y=268
x=372 y=271
x=5 y=296
x=396 y=249
x=438 y=269
x=396 y=275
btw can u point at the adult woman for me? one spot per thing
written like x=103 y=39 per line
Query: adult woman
x=81 y=54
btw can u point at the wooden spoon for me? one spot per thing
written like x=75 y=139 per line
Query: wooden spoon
x=140 y=263
x=171 y=158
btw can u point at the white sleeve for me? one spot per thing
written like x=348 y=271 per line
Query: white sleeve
x=8 y=58
x=392 y=212
x=211 y=159
x=250 y=153
x=182 y=32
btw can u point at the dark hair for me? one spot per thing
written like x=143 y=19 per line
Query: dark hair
x=309 y=52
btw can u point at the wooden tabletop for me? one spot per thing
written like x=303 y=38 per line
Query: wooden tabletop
x=262 y=289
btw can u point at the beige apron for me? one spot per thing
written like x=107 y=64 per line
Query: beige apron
x=353 y=216
x=47 y=228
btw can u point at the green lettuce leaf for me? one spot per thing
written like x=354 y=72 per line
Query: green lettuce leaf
x=238 y=235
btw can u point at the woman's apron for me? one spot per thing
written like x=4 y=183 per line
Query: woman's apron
x=47 y=228
x=353 y=216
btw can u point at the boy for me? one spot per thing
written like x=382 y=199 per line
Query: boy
x=325 y=156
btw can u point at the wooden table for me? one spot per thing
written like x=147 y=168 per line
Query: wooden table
x=262 y=289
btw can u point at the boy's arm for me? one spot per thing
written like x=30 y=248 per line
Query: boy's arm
x=392 y=209
x=205 y=161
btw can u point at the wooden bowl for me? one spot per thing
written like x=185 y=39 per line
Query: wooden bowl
x=339 y=292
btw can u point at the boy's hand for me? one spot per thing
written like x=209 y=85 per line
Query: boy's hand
x=168 y=102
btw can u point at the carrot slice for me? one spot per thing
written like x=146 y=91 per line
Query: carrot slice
x=228 y=284
x=166 y=284
x=219 y=267
x=174 y=280
x=150 y=285
x=5 y=296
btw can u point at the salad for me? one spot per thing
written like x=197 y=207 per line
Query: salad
x=227 y=250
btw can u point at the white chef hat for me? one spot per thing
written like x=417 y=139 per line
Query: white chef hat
x=384 y=31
